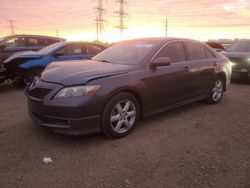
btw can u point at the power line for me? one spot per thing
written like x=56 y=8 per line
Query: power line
x=12 y=26
x=122 y=15
x=100 y=11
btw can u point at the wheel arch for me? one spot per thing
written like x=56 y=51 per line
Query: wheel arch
x=131 y=91
x=224 y=77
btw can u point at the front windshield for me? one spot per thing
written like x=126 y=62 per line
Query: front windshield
x=129 y=52
x=241 y=46
x=49 y=48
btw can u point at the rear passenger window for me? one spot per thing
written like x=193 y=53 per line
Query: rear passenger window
x=196 y=51
x=75 y=49
x=32 y=42
x=175 y=51
x=46 y=42
x=91 y=49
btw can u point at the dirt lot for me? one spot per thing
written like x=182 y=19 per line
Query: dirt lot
x=197 y=145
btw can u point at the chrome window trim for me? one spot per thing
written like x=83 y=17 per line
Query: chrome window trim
x=169 y=42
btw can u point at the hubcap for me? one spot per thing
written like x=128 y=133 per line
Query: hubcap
x=123 y=116
x=217 y=90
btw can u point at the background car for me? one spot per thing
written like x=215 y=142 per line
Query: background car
x=239 y=55
x=129 y=80
x=16 y=43
x=215 y=45
x=29 y=64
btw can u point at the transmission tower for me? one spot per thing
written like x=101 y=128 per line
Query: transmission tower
x=57 y=32
x=12 y=26
x=100 y=11
x=122 y=15
x=166 y=27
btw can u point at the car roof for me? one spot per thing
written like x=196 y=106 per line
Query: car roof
x=161 y=39
x=82 y=42
x=42 y=36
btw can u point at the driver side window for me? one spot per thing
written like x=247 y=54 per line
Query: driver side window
x=175 y=51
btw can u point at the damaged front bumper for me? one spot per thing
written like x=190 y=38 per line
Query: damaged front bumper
x=3 y=74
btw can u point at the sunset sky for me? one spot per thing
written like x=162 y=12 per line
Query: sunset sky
x=198 y=19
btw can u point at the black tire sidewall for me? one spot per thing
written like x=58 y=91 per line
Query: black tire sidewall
x=106 y=126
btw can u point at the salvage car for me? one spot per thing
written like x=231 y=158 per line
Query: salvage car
x=239 y=55
x=18 y=43
x=27 y=65
x=215 y=45
x=129 y=80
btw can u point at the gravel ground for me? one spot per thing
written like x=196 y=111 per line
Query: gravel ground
x=197 y=145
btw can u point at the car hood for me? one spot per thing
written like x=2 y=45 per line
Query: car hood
x=80 y=72
x=26 y=54
x=242 y=55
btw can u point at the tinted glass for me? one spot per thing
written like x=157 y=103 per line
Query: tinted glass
x=50 y=48
x=46 y=42
x=196 y=51
x=241 y=46
x=75 y=49
x=129 y=52
x=15 y=42
x=32 y=42
x=91 y=49
x=175 y=51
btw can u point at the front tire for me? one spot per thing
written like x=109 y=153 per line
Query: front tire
x=120 y=115
x=217 y=90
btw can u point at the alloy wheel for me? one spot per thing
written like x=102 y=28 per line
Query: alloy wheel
x=217 y=90
x=123 y=116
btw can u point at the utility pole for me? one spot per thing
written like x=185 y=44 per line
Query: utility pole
x=12 y=26
x=100 y=11
x=122 y=15
x=166 y=27
x=57 y=33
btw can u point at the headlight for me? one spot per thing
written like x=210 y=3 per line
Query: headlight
x=248 y=60
x=232 y=63
x=77 y=91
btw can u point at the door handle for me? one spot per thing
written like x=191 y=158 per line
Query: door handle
x=215 y=63
x=186 y=68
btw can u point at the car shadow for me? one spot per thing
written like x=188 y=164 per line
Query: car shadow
x=99 y=137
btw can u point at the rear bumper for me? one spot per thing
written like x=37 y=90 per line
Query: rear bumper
x=69 y=126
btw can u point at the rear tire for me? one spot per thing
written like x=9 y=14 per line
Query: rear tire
x=120 y=115
x=216 y=91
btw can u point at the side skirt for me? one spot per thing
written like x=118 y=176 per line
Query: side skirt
x=172 y=106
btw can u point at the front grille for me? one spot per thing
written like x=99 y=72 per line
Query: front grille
x=38 y=93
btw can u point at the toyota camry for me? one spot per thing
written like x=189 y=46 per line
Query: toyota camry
x=128 y=81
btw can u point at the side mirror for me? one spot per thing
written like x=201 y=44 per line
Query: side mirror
x=161 y=61
x=57 y=54
x=2 y=46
